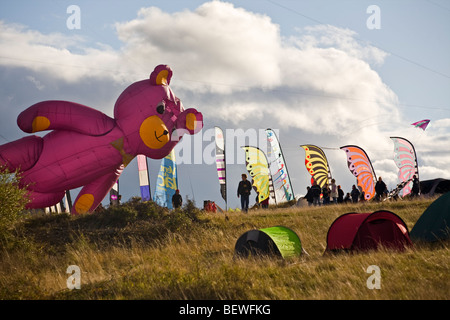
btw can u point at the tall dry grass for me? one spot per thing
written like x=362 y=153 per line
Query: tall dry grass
x=192 y=257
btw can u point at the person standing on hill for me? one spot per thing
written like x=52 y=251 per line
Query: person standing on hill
x=177 y=199
x=340 y=198
x=355 y=194
x=416 y=187
x=243 y=191
x=309 y=196
x=380 y=188
x=315 y=189
x=334 y=191
x=325 y=194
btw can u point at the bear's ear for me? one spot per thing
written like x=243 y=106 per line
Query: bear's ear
x=161 y=75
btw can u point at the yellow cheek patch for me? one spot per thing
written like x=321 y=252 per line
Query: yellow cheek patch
x=40 y=123
x=152 y=132
x=191 y=121
x=84 y=203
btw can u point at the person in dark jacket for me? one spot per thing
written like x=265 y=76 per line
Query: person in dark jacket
x=309 y=196
x=340 y=198
x=355 y=194
x=348 y=198
x=177 y=199
x=326 y=194
x=380 y=188
x=243 y=191
x=316 y=191
x=416 y=187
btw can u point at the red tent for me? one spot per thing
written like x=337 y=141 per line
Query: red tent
x=365 y=231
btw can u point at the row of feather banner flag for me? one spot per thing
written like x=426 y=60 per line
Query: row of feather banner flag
x=271 y=180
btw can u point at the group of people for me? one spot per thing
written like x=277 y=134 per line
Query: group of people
x=330 y=194
x=333 y=194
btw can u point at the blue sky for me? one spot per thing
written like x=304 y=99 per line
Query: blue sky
x=311 y=69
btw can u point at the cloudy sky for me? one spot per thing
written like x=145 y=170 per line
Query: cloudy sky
x=316 y=71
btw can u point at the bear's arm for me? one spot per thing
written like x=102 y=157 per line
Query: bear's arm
x=64 y=115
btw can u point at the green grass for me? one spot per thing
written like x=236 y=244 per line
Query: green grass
x=140 y=251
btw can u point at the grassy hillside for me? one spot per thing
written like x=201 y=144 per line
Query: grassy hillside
x=141 y=251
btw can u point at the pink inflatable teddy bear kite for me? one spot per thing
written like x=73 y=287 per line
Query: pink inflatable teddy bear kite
x=88 y=148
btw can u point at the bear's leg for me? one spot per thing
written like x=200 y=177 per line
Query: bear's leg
x=92 y=194
x=42 y=200
x=21 y=154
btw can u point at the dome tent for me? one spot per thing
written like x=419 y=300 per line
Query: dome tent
x=367 y=231
x=434 y=223
x=278 y=241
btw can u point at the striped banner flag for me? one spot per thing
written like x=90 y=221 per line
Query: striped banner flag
x=143 y=177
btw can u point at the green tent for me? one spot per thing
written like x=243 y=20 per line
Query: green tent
x=278 y=241
x=434 y=223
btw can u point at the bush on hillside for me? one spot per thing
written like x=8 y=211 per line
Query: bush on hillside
x=12 y=203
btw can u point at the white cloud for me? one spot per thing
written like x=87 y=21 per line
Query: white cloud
x=321 y=78
x=442 y=125
x=216 y=48
x=432 y=172
x=342 y=39
x=51 y=54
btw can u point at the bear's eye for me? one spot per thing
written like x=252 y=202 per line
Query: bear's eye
x=161 y=108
